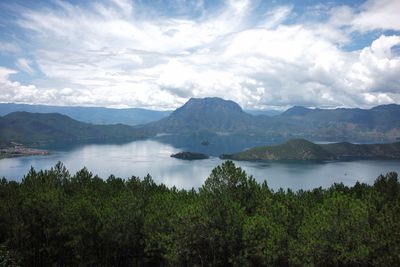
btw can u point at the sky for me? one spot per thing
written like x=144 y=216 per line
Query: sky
x=158 y=54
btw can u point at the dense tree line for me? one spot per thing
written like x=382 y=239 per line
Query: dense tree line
x=53 y=218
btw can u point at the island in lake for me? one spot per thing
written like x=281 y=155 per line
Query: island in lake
x=189 y=155
x=301 y=149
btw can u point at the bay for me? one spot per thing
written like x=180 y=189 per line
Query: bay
x=142 y=157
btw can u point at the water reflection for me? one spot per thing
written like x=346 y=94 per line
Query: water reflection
x=141 y=157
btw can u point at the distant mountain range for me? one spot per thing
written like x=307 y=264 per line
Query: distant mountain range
x=210 y=119
x=224 y=117
x=34 y=128
x=381 y=118
x=95 y=115
x=300 y=149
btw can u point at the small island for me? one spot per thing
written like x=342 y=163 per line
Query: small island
x=189 y=155
x=301 y=150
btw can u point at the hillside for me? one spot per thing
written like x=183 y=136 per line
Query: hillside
x=300 y=149
x=95 y=115
x=29 y=128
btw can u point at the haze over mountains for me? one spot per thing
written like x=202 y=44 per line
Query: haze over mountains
x=95 y=115
x=214 y=118
x=101 y=115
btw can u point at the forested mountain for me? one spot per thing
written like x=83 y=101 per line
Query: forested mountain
x=95 y=115
x=29 y=128
x=208 y=114
x=216 y=115
x=300 y=149
x=54 y=218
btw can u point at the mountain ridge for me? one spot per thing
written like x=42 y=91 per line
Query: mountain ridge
x=216 y=115
x=218 y=118
x=95 y=115
x=301 y=149
x=30 y=128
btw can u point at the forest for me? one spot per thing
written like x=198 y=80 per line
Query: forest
x=54 y=218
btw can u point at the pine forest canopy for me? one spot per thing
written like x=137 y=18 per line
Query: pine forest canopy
x=54 y=218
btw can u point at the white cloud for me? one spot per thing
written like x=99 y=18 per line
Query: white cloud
x=5 y=73
x=276 y=16
x=103 y=56
x=6 y=48
x=15 y=92
x=25 y=65
x=377 y=68
x=124 y=5
x=378 y=14
x=371 y=15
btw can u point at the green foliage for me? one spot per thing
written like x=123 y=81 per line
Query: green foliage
x=6 y=259
x=264 y=240
x=53 y=218
x=335 y=232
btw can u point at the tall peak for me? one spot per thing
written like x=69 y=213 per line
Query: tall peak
x=210 y=104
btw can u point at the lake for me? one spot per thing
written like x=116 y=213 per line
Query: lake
x=138 y=158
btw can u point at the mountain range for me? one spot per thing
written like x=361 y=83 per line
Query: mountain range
x=381 y=118
x=101 y=115
x=216 y=120
x=224 y=117
x=95 y=115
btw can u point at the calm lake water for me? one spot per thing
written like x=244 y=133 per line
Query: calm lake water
x=139 y=158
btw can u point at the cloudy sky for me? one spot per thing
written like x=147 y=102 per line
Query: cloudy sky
x=157 y=54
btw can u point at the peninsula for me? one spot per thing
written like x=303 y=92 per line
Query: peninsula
x=18 y=150
x=301 y=149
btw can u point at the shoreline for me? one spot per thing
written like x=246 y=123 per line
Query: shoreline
x=18 y=150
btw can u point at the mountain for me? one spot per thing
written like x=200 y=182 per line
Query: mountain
x=95 y=115
x=297 y=149
x=30 y=128
x=224 y=117
x=383 y=117
x=300 y=149
x=209 y=114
